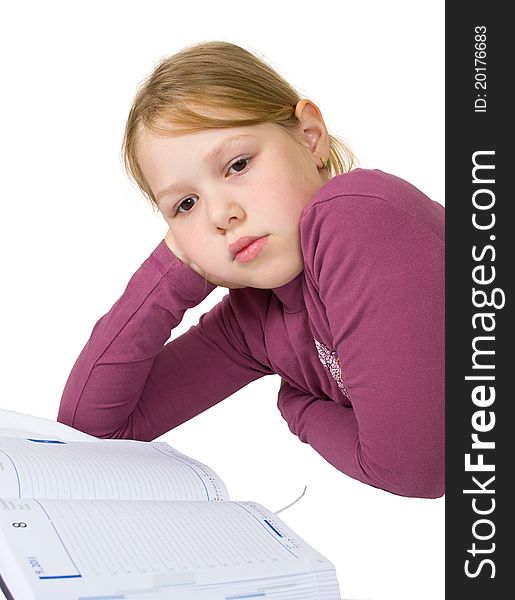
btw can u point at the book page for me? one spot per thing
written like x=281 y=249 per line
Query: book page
x=70 y=549
x=107 y=469
x=17 y=424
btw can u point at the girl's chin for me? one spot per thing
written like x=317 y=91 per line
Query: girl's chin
x=276 y=280
x=263 y=276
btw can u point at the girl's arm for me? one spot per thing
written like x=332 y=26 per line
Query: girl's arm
x=380 y=273
x=127 y=383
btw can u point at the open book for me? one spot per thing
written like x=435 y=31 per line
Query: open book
x=122 y=519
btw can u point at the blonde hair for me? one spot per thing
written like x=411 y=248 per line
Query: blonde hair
x=222 y=76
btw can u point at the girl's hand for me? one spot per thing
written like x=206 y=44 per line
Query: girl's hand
x=174 y=247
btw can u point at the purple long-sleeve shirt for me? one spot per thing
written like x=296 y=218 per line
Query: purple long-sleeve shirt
x=357 y=338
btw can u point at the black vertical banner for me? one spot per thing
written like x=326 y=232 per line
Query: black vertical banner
x=480 y=257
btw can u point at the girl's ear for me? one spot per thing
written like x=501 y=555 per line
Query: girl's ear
x=312 y=128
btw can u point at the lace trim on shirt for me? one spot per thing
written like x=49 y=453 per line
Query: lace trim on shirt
x=330 y=359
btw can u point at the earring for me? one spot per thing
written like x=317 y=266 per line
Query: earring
x=325 y=163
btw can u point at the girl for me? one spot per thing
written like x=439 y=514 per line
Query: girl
x=335 y=277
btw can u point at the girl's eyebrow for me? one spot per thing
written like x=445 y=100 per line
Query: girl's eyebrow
x=213 y=153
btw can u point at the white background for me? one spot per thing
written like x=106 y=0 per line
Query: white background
x=74 y=229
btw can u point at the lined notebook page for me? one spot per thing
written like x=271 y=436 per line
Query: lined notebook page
x=108 y=469
x=164 y=546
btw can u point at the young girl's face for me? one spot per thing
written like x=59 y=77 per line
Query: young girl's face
x=217 y=186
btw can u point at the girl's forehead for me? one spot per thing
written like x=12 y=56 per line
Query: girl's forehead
x=204 y=138
x=154 y=151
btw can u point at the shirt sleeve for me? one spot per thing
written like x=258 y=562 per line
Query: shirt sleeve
x=380 y=276
x=126 y=383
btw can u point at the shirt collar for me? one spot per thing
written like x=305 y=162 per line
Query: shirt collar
x=291 y=294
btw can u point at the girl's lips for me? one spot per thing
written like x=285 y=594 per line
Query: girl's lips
x=250 y=251
x=241 y=243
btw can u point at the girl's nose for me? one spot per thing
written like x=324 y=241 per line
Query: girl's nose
x=225 y=213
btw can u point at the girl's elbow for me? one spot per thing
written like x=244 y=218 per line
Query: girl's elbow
x=429 y=490
x=411 y=478
x=423 y=482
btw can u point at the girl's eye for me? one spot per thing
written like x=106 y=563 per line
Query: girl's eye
x=239 y=165
x=185 y=205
